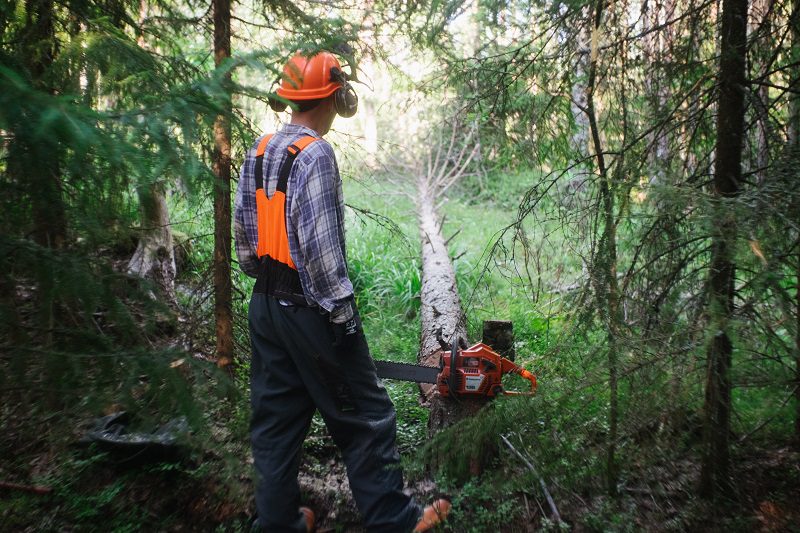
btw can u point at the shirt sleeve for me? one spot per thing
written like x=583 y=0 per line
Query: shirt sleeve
x=245 y=254
x=315 y=216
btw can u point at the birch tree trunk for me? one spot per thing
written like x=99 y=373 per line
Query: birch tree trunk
x=715 y=477
x=223 y=313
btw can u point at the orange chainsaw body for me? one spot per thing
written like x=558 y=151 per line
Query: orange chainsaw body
x=478 y=371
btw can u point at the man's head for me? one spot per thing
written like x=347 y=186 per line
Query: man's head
x=318 y=89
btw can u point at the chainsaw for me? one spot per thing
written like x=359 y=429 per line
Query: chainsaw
x=474 y=372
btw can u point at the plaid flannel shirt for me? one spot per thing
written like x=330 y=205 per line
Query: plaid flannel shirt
x=314 y=218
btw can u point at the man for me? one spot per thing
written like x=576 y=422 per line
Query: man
x=309 y=351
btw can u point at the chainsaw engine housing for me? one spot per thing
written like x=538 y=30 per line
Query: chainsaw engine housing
x=478 y=372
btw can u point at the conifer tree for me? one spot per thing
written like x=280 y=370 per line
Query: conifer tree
x=715 y=476
x=222 y=193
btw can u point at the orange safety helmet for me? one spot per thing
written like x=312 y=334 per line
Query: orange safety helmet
x=309 y=78
x=315 y=77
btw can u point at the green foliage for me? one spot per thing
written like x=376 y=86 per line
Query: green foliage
x=99 y=100
x=478 y=508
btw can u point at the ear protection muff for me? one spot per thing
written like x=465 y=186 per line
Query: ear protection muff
x=277 y=105
x=345 y=98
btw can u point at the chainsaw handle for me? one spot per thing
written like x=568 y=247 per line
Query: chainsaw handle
x=510 y=367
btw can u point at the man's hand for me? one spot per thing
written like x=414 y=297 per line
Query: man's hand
x=346 y=325
x=342 y=314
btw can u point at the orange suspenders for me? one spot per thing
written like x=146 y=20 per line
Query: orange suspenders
x=273 y=240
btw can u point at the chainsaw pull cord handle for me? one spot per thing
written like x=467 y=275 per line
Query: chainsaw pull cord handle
x=510 y=367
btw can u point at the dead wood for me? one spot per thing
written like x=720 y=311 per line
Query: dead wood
x=442 y=317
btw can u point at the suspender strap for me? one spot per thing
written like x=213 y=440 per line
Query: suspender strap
x=294 y=149
x=286 y=168
x=262 y=146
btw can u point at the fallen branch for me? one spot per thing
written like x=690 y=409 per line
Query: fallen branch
x=548 y=497
x=36 y=489
x=452 y=237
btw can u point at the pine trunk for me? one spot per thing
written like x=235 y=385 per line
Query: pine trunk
x=715 y=476
x=222 y=198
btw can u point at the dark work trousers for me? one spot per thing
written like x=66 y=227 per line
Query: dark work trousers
x=297 y=369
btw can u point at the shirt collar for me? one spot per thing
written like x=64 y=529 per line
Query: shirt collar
x=297 y=128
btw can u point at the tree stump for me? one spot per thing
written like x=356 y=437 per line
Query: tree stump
x=499 y=335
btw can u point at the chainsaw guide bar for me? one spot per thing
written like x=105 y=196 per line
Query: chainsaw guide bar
x=407 y=371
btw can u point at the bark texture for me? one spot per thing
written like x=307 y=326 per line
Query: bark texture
x=223 y=314
x=442 y=318
x=715 y=476
x=154 y=257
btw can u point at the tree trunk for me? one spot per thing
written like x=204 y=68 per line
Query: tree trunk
x=442 y=318
x=760 y=15
x=222 y=197
x=605 y=261
x=41 y=164
x=715 y=478
x=154 y=257
x=370 y=127
x=657 y=52
x=794 y=146
x=797 y=356
x=580 y=137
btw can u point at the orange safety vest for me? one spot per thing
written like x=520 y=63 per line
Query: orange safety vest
x=278 y=274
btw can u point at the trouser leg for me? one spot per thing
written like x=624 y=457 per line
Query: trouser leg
x=358 y=412
x=281 y=415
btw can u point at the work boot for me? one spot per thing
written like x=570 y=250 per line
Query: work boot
x=309 y=514
x=433 y=515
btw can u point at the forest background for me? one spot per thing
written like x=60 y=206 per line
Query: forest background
x=624 y=189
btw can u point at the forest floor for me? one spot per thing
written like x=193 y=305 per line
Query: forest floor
x=62 y=485
x=93 y=490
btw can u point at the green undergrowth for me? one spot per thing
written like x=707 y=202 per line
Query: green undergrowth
x=562 y=432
